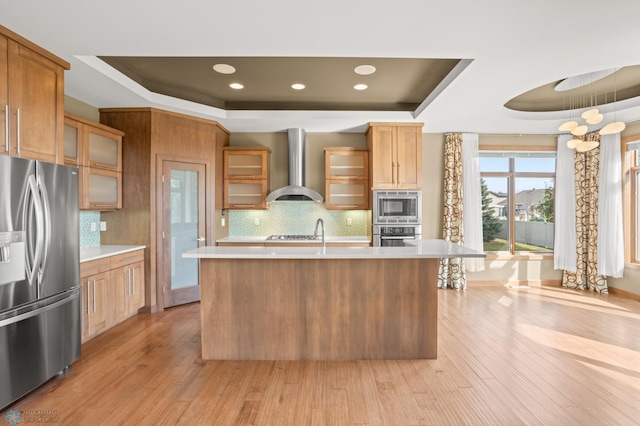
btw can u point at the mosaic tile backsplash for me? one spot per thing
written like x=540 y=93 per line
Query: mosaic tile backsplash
x=89 y=238
x=298 y=217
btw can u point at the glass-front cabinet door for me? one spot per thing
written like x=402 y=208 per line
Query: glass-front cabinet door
x=96 y=150
x=346 y=178
x=104 y=149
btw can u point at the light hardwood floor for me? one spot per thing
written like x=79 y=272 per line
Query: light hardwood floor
x=507 y=356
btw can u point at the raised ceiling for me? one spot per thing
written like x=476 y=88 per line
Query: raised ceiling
x=398 y=84
x=621 y=85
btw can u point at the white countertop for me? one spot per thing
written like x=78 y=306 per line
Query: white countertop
x=420 y=249
x=93 y=253
x=248 y=240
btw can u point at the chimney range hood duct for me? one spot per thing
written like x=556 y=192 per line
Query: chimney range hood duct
x=295 y=191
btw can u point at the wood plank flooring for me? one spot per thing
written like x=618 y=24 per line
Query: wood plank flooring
x=506 y=356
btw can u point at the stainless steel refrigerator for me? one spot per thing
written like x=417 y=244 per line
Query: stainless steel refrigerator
x=40 y=301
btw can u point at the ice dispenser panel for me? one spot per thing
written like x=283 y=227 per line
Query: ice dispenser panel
x=12 y=257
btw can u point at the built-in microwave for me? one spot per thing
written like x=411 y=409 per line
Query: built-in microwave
x=401 y=207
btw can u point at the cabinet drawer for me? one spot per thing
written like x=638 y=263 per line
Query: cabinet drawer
x=127 y=258
x=93 y=267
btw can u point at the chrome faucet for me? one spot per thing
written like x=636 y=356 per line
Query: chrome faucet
x=315 y=232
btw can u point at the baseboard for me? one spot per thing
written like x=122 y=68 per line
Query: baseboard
x=508 y=283
x=149 y=309
x=624 y=293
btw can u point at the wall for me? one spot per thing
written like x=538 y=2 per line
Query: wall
x=89 y=237
x=316 y=142
x=298 y=217
x=432 y=184
x=288 y=217
x=74 y=106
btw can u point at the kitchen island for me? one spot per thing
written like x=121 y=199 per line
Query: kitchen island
x=334 y=303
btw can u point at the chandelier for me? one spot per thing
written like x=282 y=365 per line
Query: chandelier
x=591 y=114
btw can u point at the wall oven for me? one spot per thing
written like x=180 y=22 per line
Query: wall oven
x=397 y=207
x=395 y=236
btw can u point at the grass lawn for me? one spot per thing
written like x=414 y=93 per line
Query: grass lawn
x=501 y=245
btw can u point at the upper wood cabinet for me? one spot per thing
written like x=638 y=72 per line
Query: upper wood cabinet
x=246 y=177
x=31 y=98
x=91 y=144
x=97 y=150
x=395 y=155
x=346 y=178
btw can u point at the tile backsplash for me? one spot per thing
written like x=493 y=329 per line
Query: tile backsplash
x=298 y=217
x=89 y=238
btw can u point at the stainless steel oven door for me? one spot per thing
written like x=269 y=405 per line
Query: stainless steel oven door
x=390 y=241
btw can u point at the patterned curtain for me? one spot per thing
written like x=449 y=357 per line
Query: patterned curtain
x=451 y=273
x=587 y=169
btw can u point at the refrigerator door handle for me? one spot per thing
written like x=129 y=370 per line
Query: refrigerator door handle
x=46 y=232
x=38 y=311
x=32 y=203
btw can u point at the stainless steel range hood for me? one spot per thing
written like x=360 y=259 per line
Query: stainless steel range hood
x=295 y=191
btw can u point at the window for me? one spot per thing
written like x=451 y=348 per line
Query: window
x=518 y=189
x=632 y=196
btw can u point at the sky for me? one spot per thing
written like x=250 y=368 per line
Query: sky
x=538 y=165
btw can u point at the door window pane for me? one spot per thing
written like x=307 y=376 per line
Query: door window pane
x=536 y=165
x=495 y=213
x=534 y=214
x=184 y=227
x=494 y=164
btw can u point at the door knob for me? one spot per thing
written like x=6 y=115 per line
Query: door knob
x=201 y=239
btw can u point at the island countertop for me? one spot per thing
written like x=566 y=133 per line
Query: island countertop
x=418 y=249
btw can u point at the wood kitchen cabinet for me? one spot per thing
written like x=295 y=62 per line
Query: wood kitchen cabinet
x=97 y=150
x=112 y=291
x=395 y=155
x=346 y=178
x=31 y=98
x=246 y=177
x=126 y=293
x=95 y=277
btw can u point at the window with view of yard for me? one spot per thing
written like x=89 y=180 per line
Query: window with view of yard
x=518 y=200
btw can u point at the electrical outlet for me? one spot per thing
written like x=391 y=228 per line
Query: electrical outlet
x=94 y=228
x=349 y=221
x=103 y=225
x=222 y=222
x=256 y=221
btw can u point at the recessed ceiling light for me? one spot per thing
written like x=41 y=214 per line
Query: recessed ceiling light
x=360 y=87
x=298 y=86
x=224 y=68
x=364 y=69
x=236 y=86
